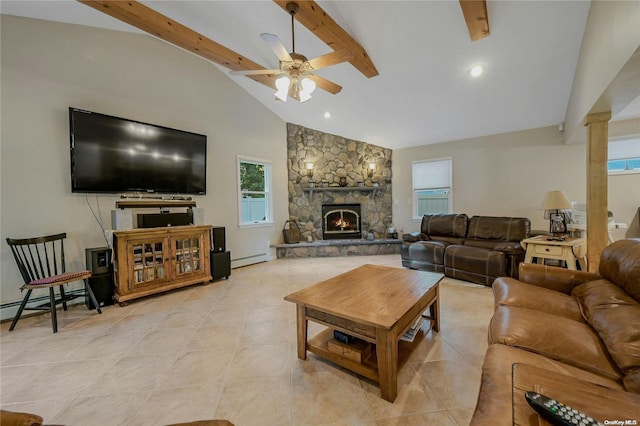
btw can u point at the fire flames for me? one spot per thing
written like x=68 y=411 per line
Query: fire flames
x=341 y=223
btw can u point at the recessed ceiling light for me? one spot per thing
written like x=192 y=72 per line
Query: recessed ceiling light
x=327 y=114
x=476 y=70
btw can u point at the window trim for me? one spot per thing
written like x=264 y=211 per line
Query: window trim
x=414 y=190
x=626 y=155
x=268 y=221
x=625 y=171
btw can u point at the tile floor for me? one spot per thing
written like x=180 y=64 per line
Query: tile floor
x=227 y=350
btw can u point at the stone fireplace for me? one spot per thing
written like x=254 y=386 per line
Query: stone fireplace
x=341 y=221
x=341 y=176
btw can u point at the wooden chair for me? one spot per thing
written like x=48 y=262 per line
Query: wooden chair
x=42 y=265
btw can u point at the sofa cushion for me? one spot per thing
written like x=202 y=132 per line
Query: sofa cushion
x=451 y=227
x=632 y=381
x=498 y=228
x=553 y=336
x=511 y=292
x=620 y=264
x=553 y=278
x=474 y=264
x=600 y=294
x=619 y=329
x=428 y=251
x=616 y=318
x=495 y=398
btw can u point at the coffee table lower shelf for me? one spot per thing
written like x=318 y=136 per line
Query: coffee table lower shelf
x=319 y=345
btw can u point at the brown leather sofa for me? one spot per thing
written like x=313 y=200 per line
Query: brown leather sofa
x=477 y=249
x=578 y=324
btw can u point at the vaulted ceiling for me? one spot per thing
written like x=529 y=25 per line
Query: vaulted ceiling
x=422 y=51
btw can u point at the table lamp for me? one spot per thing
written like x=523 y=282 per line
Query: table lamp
x=556 y=200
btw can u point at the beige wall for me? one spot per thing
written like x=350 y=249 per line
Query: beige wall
x=47 y=67
x=624 y=203
x=508 y=175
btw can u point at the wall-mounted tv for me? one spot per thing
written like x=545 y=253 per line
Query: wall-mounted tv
x=111 y=155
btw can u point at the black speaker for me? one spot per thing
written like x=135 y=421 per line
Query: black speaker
x=102 y=288
x=218 y=239
x=101 y=281
x=99 y=260
x=220 y=265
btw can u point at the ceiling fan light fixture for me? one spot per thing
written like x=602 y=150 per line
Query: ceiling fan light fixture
x=308 y=85
x=304 y=96
x=283 y=88
x=306 y=89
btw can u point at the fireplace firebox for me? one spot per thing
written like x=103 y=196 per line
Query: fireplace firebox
x=341 y=221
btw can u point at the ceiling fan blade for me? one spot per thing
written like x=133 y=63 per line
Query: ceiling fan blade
x=325 y=84
x=255 y=72
x=333 y=58
x=276 y=45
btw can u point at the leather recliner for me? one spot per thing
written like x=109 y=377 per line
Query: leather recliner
x=477 y=249
x=583 y=326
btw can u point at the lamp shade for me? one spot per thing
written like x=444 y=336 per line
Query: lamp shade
x=556 y=200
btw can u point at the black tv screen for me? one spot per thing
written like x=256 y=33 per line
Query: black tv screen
x=112 y=154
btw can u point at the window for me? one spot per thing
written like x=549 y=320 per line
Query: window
x=254 y=177
x=431 y=187
x=624 y=156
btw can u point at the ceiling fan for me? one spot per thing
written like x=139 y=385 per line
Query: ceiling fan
x=298 y=80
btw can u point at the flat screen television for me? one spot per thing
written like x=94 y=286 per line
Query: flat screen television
x=112 y=155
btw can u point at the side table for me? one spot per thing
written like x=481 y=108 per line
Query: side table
x=570 y=250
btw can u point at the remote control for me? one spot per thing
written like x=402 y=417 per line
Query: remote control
x=556 y=412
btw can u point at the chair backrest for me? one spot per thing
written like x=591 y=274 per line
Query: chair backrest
x=39 y=257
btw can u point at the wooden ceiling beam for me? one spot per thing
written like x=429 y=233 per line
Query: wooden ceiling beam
x=475 y=14
x=316 y=20
x=165 y=28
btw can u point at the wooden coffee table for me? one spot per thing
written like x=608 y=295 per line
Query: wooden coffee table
x=377 y=304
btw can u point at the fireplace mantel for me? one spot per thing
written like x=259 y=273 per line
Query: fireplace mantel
x=341 y=189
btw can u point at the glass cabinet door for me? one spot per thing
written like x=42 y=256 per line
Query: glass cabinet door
x=188 y=255
x=147 y=260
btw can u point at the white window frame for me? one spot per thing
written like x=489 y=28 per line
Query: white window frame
x=416 y=186
x=268 y=220
x=626 y=149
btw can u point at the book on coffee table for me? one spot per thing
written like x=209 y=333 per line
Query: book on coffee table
x=358 y=350
x=411 y=333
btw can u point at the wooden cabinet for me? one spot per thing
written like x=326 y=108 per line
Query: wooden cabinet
x=149 y=261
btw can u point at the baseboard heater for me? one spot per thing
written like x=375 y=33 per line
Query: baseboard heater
x=248 y=260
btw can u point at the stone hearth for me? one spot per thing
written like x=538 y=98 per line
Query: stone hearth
x=337 y=248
